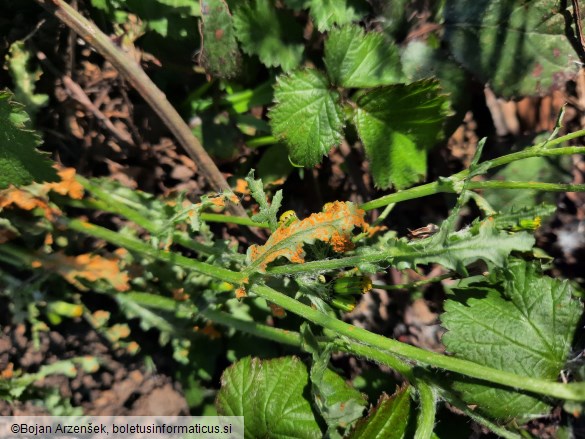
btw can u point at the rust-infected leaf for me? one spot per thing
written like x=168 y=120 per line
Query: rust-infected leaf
x=68 y=186
x=87 y=267
x=334 y=225
x=25 y=200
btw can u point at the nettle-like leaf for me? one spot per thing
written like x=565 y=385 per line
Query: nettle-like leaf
x=268 y=211
x=398 y=124
x=220 y=54
x=388 y=420
x=358 y=59
x=334 y=226
x=328 y=13
x=465 y=247
x=307 y=116
x=524 y=326
x=518 y=47
x=273 y=35
x=20 y=162
x=270 y=394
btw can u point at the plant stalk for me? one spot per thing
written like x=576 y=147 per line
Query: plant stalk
x=132 y=71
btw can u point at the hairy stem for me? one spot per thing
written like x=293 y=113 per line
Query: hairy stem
x=437 y=187
x=572 y=391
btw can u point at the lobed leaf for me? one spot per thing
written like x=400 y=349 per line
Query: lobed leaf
x=220 y=54
x=524 y=325
x=334 y=225
x=271 y=34
x=25 y=79
x=465 y=247
x=307 y=116
x=357 y=59
x=518 y=47
x=270 y=394
x=268 y=211
x=20 y=162
x=398 y=124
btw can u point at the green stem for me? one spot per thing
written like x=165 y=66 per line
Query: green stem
x=133 y=244
x=533 y=185
x=229 y=219
x=144 y=85
x=572 y=391
x=415 y=284
x=293 y=338
x=261 y=141
x=425 y=422
x=436 y=187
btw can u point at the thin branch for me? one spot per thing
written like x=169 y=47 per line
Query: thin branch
x=147 y=89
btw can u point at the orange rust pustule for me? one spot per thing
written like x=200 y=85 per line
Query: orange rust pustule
x=334 y=225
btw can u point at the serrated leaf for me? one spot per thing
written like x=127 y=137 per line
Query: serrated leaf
x=512 y=217
x=271 y=34
x=520 y=48
x=327 y=13
x=358 y=59
x=524 y=326
x=270 y=394
x=398 y=124
x=20 y=162
x=465 y=247
x=334 y=225
x=220 y=54
x=388 y=420
x=17 y=62
x=268 y=211
x=307 y=116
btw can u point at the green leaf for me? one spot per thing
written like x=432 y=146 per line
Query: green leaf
x=20 y=162
x=271 y=34
x=274 y=164
x=358 y=59
x=268 y=211
x=220 y=54
x=513 y=217
x=307 y=116
x=388 y=420
x=17 y=62
x=467 y=246
x=524 y=326
x=270 y=394
x=518 y=47
x=398 y=124
x=327 y=13
x=338 y=402
x=218 y=133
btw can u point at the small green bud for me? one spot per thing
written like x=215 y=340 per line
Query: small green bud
x=343 y=303
x=353 y=285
